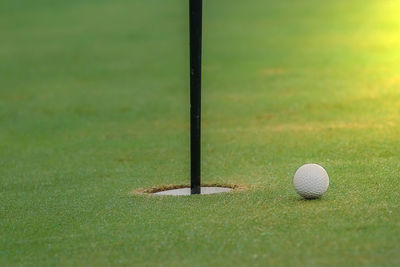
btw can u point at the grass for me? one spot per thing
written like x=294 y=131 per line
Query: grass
x=94 y=104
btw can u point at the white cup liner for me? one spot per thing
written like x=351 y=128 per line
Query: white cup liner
x=206 y=190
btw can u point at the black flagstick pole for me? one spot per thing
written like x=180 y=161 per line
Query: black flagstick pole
x=195 y=24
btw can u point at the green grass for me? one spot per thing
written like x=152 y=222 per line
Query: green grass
x=94 y=104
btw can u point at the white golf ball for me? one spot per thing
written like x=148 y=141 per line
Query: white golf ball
x=311 y=181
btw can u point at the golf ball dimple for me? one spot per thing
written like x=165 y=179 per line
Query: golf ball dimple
x=311 y=181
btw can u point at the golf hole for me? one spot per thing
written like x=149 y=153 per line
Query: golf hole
x=184 y=190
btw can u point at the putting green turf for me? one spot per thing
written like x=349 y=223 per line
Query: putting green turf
x=94 y=104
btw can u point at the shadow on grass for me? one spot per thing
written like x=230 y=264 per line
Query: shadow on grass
x=299 y=199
